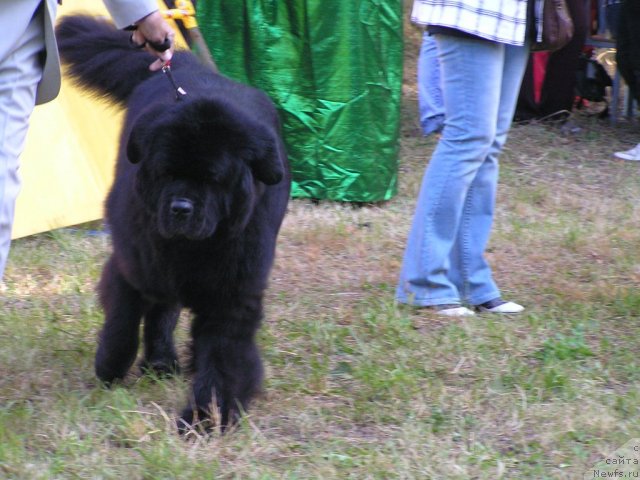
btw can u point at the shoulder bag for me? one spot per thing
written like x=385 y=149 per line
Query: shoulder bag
x=556 y=23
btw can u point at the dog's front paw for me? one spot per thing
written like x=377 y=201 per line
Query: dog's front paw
x=108 y=375
x=161 y=367
x=113 y=363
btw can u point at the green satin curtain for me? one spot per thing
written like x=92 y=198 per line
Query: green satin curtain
x=334 y=69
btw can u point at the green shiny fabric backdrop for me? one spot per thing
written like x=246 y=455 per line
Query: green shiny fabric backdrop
x=334 y=69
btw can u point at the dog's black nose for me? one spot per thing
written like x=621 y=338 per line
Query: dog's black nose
x=182 y=207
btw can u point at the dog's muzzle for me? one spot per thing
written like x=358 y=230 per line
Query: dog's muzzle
x=182 y=217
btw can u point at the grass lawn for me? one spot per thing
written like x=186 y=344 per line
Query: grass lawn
x=357 y=387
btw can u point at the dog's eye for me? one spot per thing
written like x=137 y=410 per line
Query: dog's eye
x=214 y=177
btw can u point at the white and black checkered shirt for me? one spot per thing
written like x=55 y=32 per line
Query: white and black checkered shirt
x=503 y=21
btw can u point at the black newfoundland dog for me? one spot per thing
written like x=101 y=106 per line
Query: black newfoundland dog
x=201 y=188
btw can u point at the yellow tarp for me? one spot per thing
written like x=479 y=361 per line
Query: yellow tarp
x=67 y=166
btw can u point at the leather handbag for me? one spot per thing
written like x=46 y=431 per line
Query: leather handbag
x=557 y=26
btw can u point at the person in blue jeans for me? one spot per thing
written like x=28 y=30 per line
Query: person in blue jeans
x=483 y=49
x=430 y=102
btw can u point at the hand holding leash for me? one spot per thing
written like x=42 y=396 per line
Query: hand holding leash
x=155 y=35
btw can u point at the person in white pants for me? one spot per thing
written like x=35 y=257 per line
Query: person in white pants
x=30 y=75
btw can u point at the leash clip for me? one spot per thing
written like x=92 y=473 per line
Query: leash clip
x=180 y=92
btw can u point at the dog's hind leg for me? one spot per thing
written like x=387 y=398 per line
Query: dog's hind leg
x=227 y=371
x=119 y=338
x=159 y=350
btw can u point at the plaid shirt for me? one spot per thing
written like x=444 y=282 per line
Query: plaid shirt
x=503 y=21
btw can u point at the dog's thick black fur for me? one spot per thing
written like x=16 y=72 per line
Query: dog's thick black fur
x=201 y=188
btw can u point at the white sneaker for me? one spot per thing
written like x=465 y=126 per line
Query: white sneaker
x=633 y=154
x=455 y=312
x=497 y=305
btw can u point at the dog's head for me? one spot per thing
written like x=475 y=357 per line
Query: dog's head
x=203 y=165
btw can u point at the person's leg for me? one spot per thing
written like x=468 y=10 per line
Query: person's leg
x=558 y=89
x=20 y=72
x=430 y=103
x=472 y=72
x=628 y=46
x=527 y=107
x=612 y=15
x=474 y=275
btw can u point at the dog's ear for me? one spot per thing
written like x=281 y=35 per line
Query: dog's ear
x=242 y=204
x=134 y=149
x=268 y=159
x=140 y=134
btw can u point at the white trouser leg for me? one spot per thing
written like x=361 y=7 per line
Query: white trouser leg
x=20 y=72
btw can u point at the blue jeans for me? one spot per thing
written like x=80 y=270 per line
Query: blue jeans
x=430 y=102
x=444 y=258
